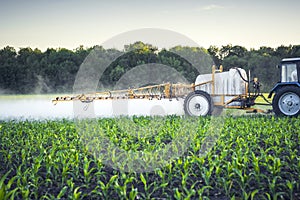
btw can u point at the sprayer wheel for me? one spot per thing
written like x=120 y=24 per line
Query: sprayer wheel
x=198 y=103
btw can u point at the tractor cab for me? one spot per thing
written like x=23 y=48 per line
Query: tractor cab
x=290 y=70
x=286 y=101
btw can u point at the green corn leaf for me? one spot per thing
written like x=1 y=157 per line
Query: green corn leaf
x=163 y=185
x=133 y=193
x=62 y=192
x=2 y=191
x=143 y=180
x=76 y=194
x=253 y=193
x=2 y=185
x=177 y=194
x=112 y=179
x=11 y=194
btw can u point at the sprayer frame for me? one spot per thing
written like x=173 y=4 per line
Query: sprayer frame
x=246 y=100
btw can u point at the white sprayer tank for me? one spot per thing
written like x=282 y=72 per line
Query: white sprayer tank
x=229 y=84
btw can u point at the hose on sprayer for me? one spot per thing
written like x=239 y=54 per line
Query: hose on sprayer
x=257 y=87
x=241 y=75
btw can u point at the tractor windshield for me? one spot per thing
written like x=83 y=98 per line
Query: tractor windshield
x=289 y=73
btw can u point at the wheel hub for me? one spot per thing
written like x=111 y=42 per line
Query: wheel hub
x=197 y=106
x=289 y=103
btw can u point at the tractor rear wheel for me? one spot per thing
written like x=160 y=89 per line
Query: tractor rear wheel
x=198 y=103
x=286 y=101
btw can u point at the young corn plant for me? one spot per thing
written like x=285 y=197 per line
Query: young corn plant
x=87 y=170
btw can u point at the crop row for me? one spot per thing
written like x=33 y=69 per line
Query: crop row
x=252 y=158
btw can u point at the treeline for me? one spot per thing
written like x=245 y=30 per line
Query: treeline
x=29 y=70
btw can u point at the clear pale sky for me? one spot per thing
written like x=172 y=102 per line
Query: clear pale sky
x=65 y=23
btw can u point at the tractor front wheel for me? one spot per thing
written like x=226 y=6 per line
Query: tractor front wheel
x=286 y=101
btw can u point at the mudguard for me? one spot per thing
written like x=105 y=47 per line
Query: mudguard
x=280 y=85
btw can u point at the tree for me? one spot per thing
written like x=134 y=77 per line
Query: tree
x=8 y=64
x=266 y=51
x=234 y=61
x=140 y=46
x=295 y=51
x=198 y=58
x=283 y=51
x=263 y=66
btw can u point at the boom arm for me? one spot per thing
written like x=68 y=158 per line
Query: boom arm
x=165 y=90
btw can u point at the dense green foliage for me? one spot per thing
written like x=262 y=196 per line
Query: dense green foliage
x=254 y=158
x=53 y=71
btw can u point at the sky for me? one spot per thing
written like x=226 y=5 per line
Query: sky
x=70 y=23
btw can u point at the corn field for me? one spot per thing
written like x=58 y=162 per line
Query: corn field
x=255 y=157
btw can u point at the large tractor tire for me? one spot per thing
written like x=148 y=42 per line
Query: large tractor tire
x=198 y=103
x=286 y=101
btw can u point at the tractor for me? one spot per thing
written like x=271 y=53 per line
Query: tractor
x=286 y=101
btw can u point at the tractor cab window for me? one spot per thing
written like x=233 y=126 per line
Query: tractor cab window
x=289 y=73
